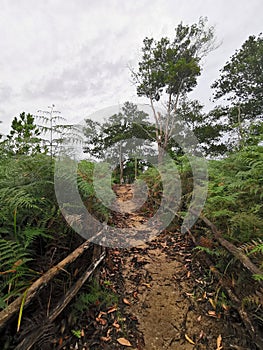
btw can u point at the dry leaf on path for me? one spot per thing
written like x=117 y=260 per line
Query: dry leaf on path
x=189 y=339
x=212 y=302
x=114 y=308
x=124 y=342
x=219 y=343
x=135 y=295
x=126 y=301
x=201 y=335
x=101 y=313
x=105 y=338
x=101 y=321
x=116 y=324
x=213 y=314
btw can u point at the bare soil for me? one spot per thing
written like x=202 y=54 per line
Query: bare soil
x=166 y=298
x=172 y=297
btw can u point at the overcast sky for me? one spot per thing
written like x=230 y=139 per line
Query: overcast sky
x=75 y=53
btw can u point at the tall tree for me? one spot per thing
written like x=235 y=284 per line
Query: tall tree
x=24 y=137
x=120 y=137
x=2 y=144
x=168 y=71
x=207 y=129
x=56 y=130
x=241 y=84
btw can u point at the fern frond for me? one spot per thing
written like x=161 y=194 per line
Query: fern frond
x=10 y=253
x=247 y=247
x=31 y=233
x=14 y=274
x=258 y=277
x=207 y=250
x=254 y=300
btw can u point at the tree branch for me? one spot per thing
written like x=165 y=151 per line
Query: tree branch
x=13 y=308
x=32 y=338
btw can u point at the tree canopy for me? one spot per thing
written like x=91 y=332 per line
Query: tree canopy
x=24 y=137
x=168 y=70
x=121 y=137
x=241 y=78
x=241 y=84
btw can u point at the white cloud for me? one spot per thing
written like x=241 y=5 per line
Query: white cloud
x=75 y=53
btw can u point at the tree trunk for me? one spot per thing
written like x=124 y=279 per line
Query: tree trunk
x=135 y=168
x=121 y=164
x=161 y=152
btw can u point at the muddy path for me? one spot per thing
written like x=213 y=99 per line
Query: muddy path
x=172 y=296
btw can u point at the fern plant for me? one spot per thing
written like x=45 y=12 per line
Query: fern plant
x=97 y=295
x=26 y=192
x=235 y=194
x=27 y=209
x=14 y=258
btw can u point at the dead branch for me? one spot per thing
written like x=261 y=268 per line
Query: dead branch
x=32 y=338
x=237 y=304
x=246 y=262
x=13 y=308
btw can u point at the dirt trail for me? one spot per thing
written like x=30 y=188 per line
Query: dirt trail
x=169 y=295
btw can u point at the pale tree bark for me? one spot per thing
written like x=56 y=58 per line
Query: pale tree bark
x=121 y=164
x=164 y=127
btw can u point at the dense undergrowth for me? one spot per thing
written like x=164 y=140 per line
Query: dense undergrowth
x=235 y=194
x=234 y=205
x=31 y=220
x=234 y=198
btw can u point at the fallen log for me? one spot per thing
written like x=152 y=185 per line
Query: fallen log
x=32 y=338
x=237 y=304
x=244 y=259
x=247 y=263
x=13 y=308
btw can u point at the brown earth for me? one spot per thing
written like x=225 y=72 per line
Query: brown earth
x=166 y=298
x=172 y=297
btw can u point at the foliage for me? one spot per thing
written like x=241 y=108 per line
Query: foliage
x=240 y=83
x=208 y=131
x=58 y=133
x=235 y=194
x=26 y=193
x=87 y=190
x=30 y=217
x=173 y=66
x=97 y=295
x=24 y=137
x=241 y=78
x=163 y=189
x=77 y=333
x=123 y=137
x=14 y=257
x=27 y=211
x=168 y=70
